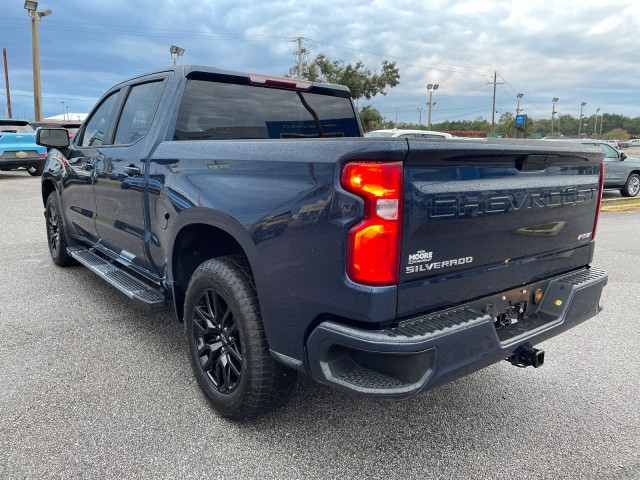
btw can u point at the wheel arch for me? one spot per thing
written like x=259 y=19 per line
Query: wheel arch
x=48 y=186
x=200 y=236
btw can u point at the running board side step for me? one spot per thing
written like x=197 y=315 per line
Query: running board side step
x=134 y=288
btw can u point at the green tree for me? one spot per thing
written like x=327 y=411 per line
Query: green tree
x=616 y=134
x=362 y=82
x=507 y=125
x=371 y=118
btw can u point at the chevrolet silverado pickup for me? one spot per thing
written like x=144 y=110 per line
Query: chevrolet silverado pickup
x=287 y=243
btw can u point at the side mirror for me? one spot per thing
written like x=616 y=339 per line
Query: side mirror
x=623 y=155
x=52 y=137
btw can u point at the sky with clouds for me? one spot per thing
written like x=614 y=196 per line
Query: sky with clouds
x=578 y=51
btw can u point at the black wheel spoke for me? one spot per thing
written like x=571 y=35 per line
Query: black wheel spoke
x=234 y=352
x=198 y=329
x=234 y=369
x=207 y=364
x=224 y=373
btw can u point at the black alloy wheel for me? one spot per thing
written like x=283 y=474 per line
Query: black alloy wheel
x=56 y=234
x=217 y=339
x=227 y=344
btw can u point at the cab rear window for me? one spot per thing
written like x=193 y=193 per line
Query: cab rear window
x=223 y=111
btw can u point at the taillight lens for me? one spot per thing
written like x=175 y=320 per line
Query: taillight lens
x=595 y=223
x=373 y=245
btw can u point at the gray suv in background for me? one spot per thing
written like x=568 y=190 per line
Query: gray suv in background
x=621 y=172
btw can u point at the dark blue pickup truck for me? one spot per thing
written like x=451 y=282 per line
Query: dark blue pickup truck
x=288 y=244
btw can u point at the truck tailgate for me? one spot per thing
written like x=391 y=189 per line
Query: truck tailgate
x=492 y=216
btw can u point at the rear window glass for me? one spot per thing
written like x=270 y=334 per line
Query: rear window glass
x=223 y=111
x=16 y=128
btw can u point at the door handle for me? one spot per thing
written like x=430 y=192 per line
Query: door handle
x=132 y=170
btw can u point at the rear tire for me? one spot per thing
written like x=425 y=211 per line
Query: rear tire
x=56 y=232
x=226 y=341
x=632 y=186
x=37 y=170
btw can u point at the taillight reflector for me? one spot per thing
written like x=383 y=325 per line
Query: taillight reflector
x=599 y=204
x=373 y=245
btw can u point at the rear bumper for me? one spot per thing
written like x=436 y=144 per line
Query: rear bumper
x=422 y=352
x=21 y=162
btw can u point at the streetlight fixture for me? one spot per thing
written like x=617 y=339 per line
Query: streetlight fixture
x=580 y=124
x=553 y=111
x=431 y=88
x=595 y=125
x=518 y=97
x=518 y=110
x=177 y=51
x=32 y=11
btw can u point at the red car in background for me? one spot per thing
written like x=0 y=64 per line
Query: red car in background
x=72 y=127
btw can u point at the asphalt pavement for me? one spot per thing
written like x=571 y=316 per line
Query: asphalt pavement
x=92 y=386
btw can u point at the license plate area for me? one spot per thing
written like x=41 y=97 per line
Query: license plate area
x=517 y=312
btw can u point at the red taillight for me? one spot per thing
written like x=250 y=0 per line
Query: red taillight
x=373 y=245
x=42 y=154
x=599 y=204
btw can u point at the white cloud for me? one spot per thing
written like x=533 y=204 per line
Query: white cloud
x=577 y=50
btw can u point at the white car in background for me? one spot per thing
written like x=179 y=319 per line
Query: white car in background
x=397 y=133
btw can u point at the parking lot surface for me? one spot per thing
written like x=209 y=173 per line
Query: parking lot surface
x=92 y=387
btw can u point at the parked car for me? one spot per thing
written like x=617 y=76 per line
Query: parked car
x=18 y=147
x=72 y=127
x=623 y=143
x=635 y=143
x=621 y=171
x=396 y=133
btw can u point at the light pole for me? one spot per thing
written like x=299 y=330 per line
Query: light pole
x=595 y=125
x=32 y=10
x=553 y=111
x=580 y=124
x=431 y=88
x=177 y=51
x=420 y=117
x=601 y=120
x=518 y=109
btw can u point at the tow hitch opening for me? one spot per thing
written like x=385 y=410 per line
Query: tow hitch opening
x=526 y=356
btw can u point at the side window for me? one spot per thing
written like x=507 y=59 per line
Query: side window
x=97 y=125
x=609 y=152
x=138 y=112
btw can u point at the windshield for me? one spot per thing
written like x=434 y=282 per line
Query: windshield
x=378 y=134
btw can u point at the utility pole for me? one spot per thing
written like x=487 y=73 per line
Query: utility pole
x=300 y=54
x=601 y=119
x=493 y=109
x=420 y=117
x=595 y=125
x=6 y=81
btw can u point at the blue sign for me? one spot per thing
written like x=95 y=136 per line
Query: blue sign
x=521 y=119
